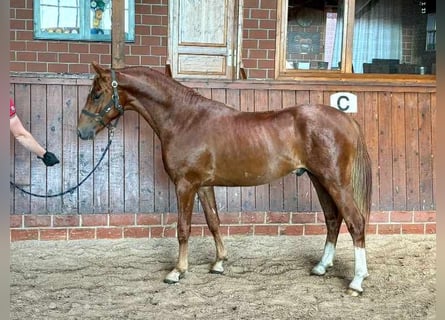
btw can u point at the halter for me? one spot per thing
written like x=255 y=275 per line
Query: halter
x=99 y=117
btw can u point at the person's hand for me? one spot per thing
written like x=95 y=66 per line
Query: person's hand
x=49 y=159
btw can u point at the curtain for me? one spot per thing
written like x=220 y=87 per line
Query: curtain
x=377 y=32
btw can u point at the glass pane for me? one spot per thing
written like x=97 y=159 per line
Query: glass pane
x=100 y=18
x=314 y=34
x=60 y=16
x=394 y=36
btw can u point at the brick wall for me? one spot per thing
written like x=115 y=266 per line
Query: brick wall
x=154 y=225
x=149 y=47
x=259 y=34
x=29 y=55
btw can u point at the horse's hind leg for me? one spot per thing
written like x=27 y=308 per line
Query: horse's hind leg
x=333 y=222
x=207 y=198
x=356 y=224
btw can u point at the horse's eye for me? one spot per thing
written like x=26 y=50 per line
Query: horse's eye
x=96 y=95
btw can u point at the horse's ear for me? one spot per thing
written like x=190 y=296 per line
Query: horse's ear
x=99 y=70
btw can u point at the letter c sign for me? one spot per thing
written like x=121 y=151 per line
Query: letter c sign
x=344 y=101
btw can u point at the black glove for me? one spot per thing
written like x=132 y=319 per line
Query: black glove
x=49 y=159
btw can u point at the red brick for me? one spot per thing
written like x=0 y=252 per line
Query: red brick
x=58 y=47
x=125 y=219
x=224 y=230
x=304 y=217
x=314 y=229
x=170 y=218
x=53 y=234
x=15 y=221
x=81 y=233
x=389 y=229
x=66 y=221
x=109 y=233
x=379 y=216
x=196 y=231
x=266 y=230
x=430 y=228
x=240 y=230
x=251 y=3
x=253 y=217
x=371 y=229
x=170 y=232
x=229 y=217
x=148 y=219
x=425 y=216
x=291 y=230
x=69 y=58
x=19 y=235
x=100 y=48
x=198 y=218
x=156 y=232
x=36 y=67
x=137 y=232
x=58 y=67
x=401 y=216
x=413 y=228
x=26 y=56
x=37 y=221
x=94 y=220
x=277 y=217
x=344 y=228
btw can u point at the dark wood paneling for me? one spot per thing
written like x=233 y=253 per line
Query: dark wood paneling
x=399 y=129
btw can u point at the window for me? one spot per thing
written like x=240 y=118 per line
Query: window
x=379 y=36
x=79 y=20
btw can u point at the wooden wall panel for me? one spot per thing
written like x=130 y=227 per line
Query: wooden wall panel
x=85 y=163
x=68 y=154
x=399 y=129
x=38 y=127
x=385 y=151
x=425 y=152
x=54 y=134
x=371 y=132
x=398 y=150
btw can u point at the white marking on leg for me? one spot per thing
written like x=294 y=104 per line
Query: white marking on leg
x=361 y=270
x=326 y=260
x=217 y=267
x=173 y=276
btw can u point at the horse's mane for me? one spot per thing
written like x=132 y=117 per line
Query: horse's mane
x=189 y=95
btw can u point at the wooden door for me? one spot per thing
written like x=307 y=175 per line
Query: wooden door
x=203 y=38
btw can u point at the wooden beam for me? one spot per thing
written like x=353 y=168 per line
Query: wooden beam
x=118 y=34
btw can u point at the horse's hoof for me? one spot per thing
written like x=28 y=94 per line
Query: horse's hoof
x=353 y=292
x=216 y=271
x=318 y=270
x=168 y=281
x=173 y=277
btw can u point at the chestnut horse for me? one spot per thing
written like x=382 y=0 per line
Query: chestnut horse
x=207 y=143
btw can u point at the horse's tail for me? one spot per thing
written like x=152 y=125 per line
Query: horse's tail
x=362 y=177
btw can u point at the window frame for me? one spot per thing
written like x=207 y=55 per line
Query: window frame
x=345 y=72
x=84 y=34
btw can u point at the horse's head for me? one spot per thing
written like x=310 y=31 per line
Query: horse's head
x=102 y=104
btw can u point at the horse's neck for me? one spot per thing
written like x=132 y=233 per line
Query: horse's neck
x=159 y=101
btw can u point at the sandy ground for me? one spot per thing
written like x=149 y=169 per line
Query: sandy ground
x=265 y=278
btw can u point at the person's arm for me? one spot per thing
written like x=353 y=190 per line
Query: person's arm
x=25 y=138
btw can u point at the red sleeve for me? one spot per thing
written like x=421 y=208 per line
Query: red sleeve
x=11 y=108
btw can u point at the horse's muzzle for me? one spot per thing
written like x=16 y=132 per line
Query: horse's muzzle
x=85 y=134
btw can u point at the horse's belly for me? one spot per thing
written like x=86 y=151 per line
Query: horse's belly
x=249 y=175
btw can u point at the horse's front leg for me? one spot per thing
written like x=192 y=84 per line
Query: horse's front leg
x=207 y=198
x=185 y=193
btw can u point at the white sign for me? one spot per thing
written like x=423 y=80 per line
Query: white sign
x=344 y=101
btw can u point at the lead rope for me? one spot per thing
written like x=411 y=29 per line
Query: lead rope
x=72 y=189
